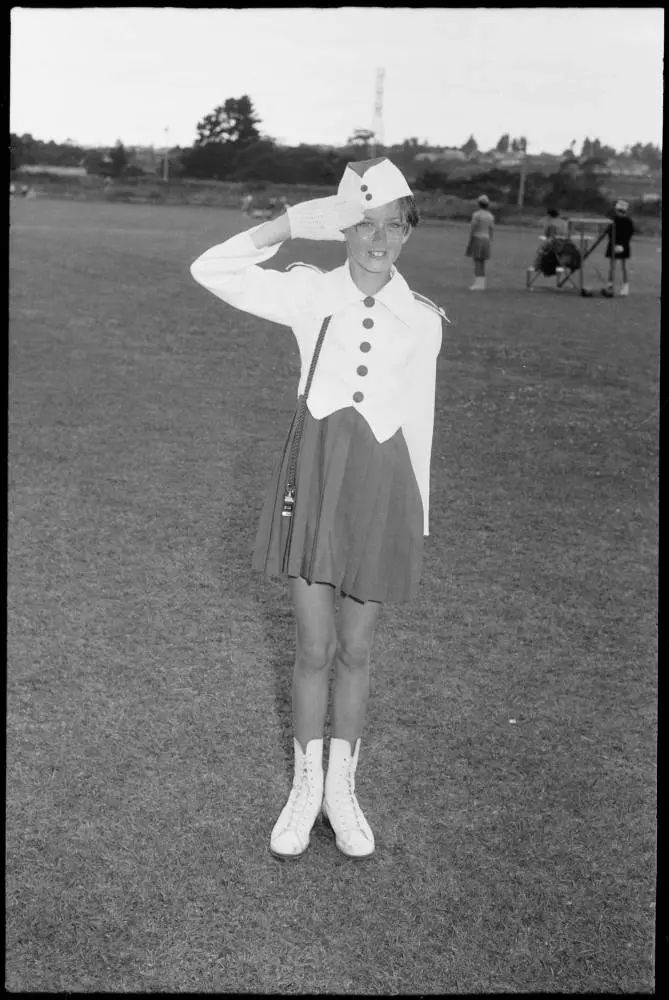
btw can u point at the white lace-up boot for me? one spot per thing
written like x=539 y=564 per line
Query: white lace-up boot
x=290 y=836
x=353 y=835
x=625 y=289
x=478 y=286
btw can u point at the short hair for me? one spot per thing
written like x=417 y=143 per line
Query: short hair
x=409 y=210
x=553 y=212
x=483 y=200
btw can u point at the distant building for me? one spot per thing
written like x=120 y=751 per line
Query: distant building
x=628 y=168
x=36 y=168
x=442 y=156
x=597 y=167
x=147 y=158
x=451 y=153
x=544 y=159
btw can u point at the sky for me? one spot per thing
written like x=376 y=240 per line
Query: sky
x=147 y=75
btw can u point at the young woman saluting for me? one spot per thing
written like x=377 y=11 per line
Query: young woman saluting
x=347 y=507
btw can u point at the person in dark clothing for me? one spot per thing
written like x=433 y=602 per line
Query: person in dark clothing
x=618 y=248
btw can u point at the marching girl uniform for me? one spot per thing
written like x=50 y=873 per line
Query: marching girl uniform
x=480 y=239
x=361 y=444
x=362 y=503
x=620 y=234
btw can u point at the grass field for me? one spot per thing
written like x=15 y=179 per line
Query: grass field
x=508 y=765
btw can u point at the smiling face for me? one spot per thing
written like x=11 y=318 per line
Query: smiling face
x=375 y=243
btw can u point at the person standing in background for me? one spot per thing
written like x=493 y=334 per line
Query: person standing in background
x=480 y=239
x=621 y=232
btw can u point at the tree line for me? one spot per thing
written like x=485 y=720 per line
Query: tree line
x=229 y=146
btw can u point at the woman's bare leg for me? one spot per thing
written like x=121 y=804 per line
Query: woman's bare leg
x=612 y=270
x=315 y=649
x=355 y=633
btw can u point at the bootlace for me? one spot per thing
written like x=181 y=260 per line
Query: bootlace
x=349 y=812
x=301 y=794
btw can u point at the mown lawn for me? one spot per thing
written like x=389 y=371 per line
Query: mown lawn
x=508 y=766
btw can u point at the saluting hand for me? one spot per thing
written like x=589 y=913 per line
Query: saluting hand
x=323 y=218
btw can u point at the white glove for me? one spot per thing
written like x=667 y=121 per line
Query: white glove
x=619 y=249
x=323 y=218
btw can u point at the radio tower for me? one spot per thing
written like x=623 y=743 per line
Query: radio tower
x=377 y=123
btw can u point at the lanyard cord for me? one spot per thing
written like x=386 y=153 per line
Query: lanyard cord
x=289 y=497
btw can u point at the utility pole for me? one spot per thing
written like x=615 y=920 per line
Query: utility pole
x=166 y=157
x=523 y=166
x=377 y=123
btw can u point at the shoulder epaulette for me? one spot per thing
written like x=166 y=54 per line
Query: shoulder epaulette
x=301 y=263
x=423 y=299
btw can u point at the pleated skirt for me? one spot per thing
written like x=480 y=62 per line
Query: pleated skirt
x=623 y=254
x=478 y=248
x=357 y=523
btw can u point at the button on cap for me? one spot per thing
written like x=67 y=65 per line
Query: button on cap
x=358 y=397
x=362 y=370
x=368 y=323
x=369 y=301
x=365 y=346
